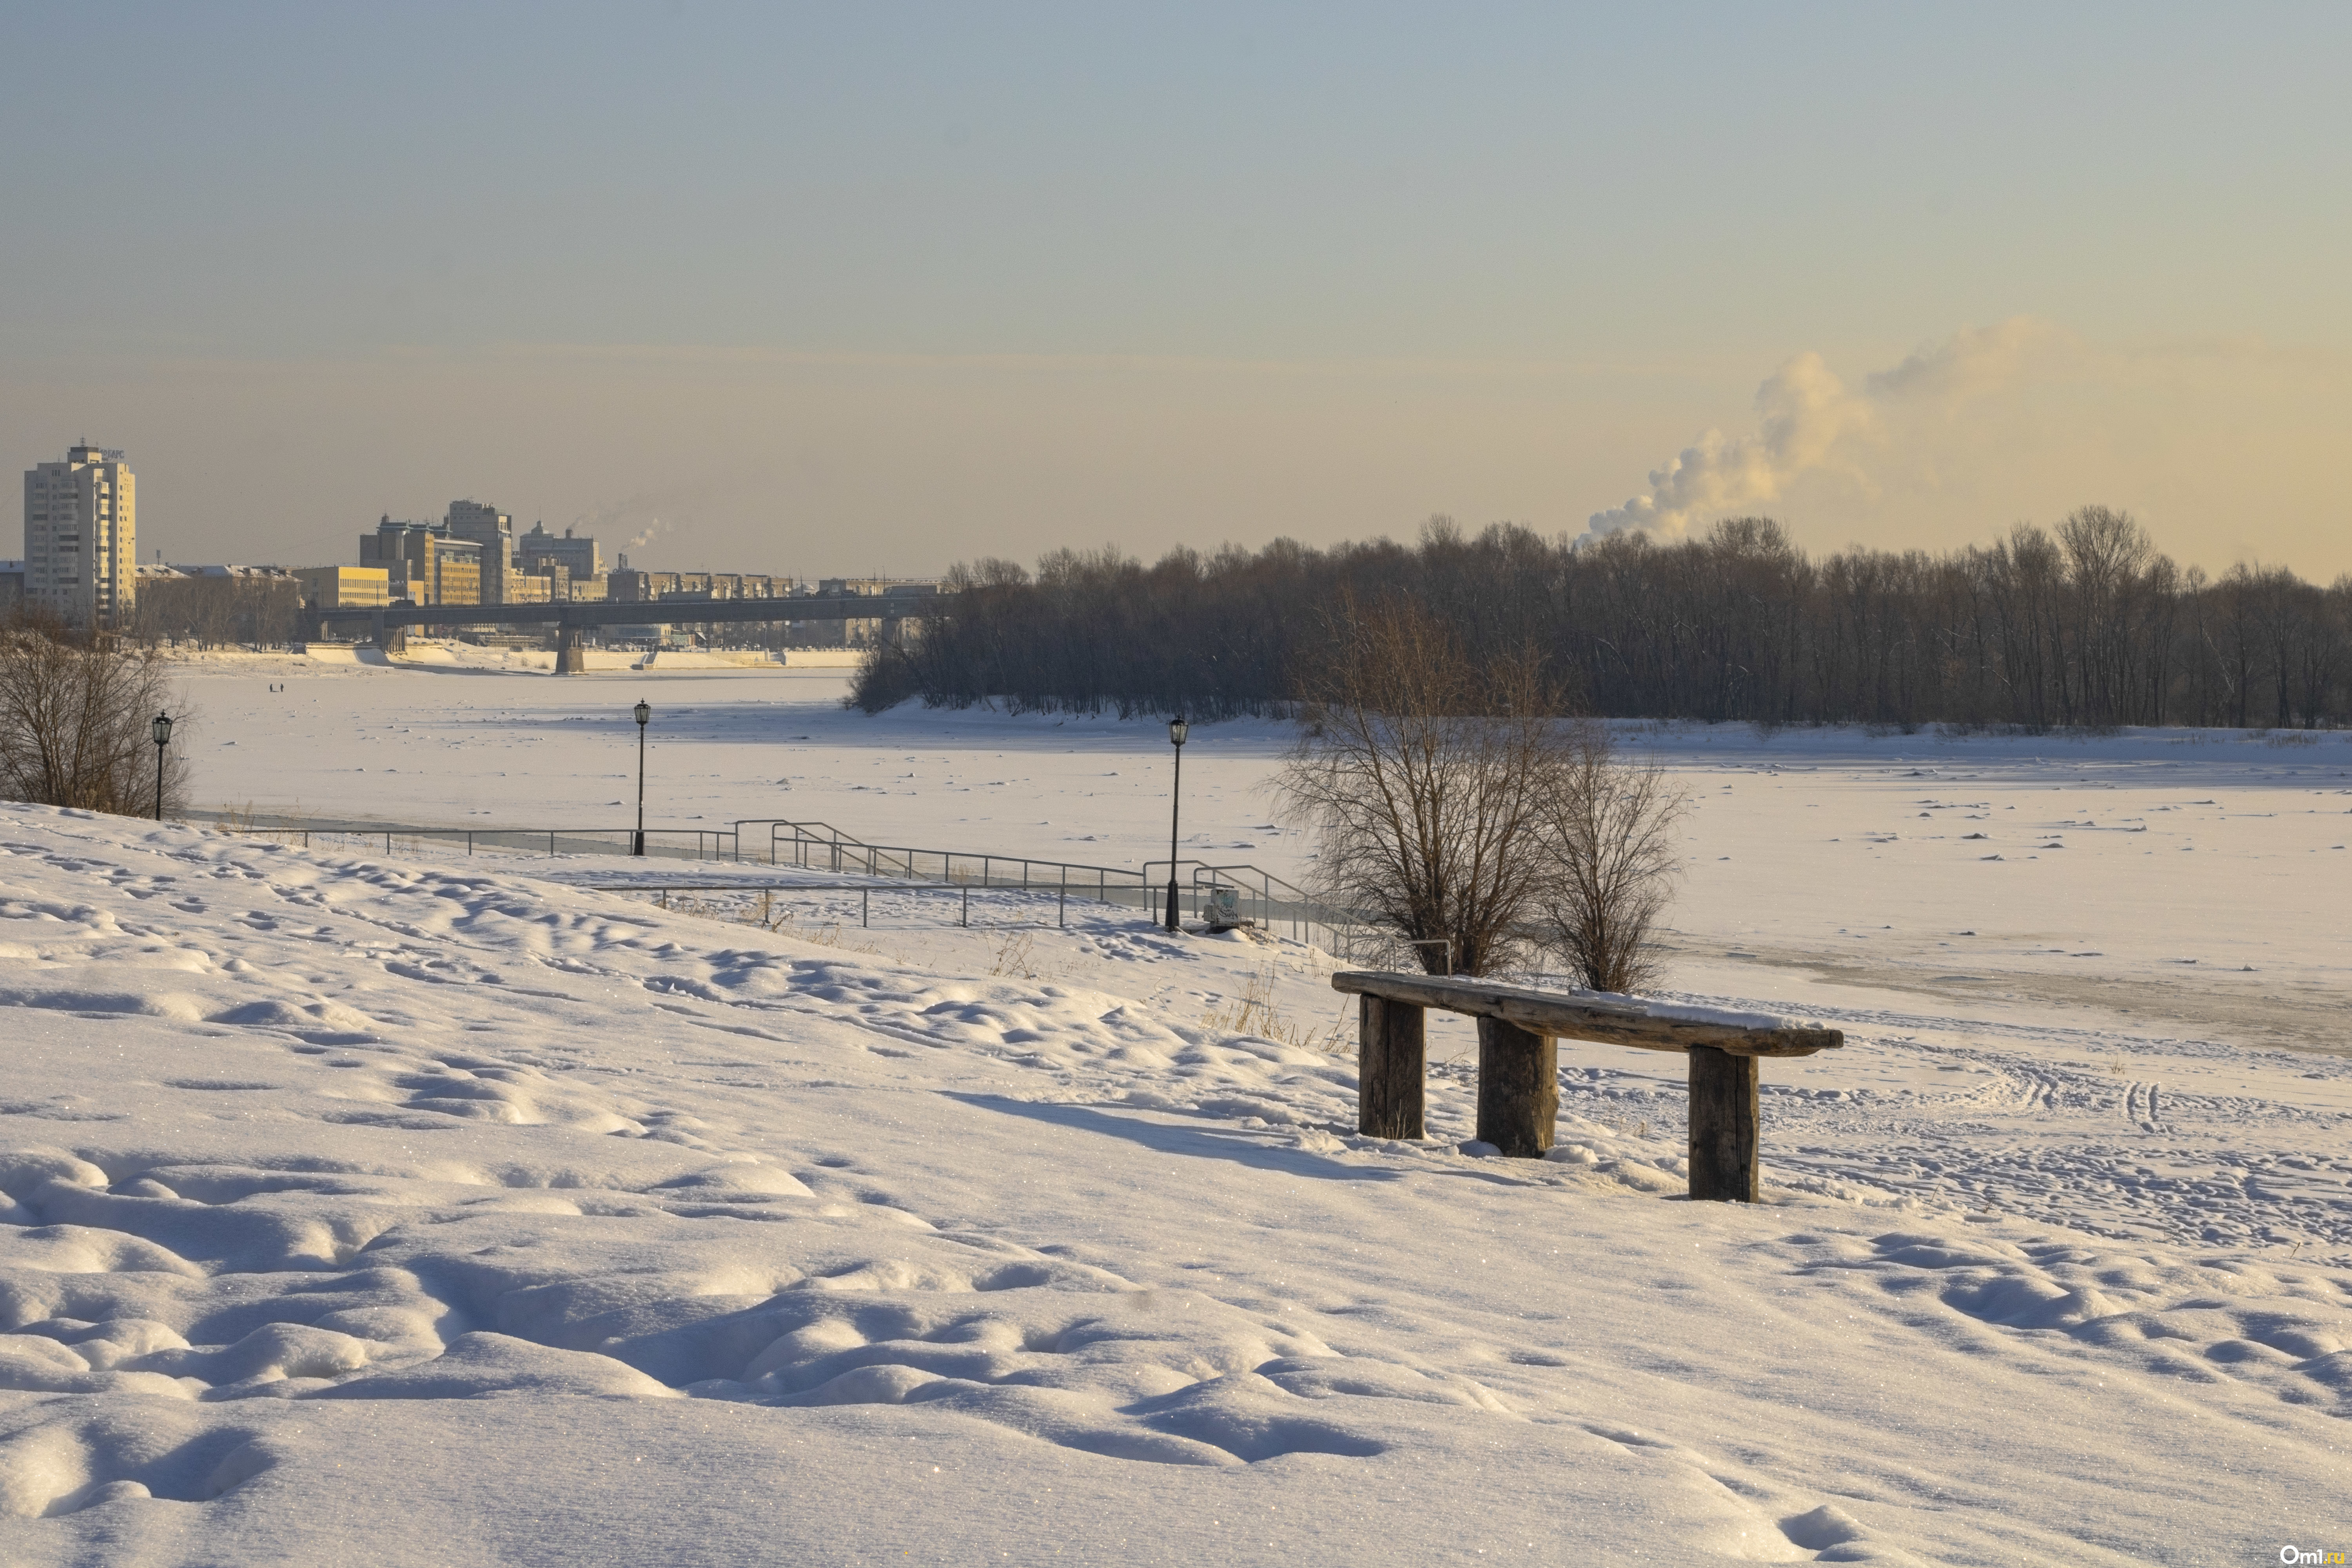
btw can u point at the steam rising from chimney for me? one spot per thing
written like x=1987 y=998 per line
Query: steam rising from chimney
x=1810 y=421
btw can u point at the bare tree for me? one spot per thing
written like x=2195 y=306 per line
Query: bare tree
x=1609 y=832
x=219 y=611
x=75 y=714
x=1424 y=773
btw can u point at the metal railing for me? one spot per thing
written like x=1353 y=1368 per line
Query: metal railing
x=661 y=843
x=1268 y=901
x=1274 y=903
x=816 y=847
x=961 y=893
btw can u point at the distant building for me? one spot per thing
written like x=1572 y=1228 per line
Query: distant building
x=900 y=605
x=633 y=585
x=549 y=582
x=12 y=587
x=578 y=556
x=344 y=587
x=427 y=563
x=494 y=531
x=650 y=634
x=81 y=540
x=629 y=584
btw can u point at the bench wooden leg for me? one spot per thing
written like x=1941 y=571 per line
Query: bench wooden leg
x=1390 y=1068
x=1724 y=1125
x=1518 y=1088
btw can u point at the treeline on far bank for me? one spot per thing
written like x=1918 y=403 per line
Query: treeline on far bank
x=2083 y=626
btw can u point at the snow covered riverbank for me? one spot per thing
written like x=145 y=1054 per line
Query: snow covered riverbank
x=429 y=1213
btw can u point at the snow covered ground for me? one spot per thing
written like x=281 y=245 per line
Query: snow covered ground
x=416 y=1210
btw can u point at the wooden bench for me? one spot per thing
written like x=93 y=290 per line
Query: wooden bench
x=1518 y=1066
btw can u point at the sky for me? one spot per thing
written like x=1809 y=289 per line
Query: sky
x=875 y=289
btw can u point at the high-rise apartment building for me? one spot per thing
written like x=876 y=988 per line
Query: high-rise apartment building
x=81 y=540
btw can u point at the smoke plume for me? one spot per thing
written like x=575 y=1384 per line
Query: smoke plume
x=1809 y=421
x=667 y=512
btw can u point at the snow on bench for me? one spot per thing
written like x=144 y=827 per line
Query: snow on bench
x=1519 y=1063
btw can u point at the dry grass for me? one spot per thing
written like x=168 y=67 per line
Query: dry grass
x=1013 y=951
x=1254 y=1011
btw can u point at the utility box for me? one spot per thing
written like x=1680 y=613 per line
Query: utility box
x=1221 y=909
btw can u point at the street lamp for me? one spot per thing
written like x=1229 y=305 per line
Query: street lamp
x=644 y=712
x=162 y=730
x=1177 y=731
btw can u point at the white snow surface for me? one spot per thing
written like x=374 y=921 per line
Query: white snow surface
x=426 y=1210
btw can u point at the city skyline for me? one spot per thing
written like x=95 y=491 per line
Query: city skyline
x=870 y=294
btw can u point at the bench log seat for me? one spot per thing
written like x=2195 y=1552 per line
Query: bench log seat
x=1518 y=1064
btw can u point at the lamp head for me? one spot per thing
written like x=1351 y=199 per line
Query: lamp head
x=645 y=711
x=1178 y=730
x=163 y=729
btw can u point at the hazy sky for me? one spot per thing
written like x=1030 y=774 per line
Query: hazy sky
x=876 y=287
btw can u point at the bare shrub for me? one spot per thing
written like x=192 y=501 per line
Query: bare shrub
x=74 y=712
x=1610 y=834
x=1424 y=774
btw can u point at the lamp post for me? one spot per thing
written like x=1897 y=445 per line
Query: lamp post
x=162 y=730
x=644 y=712
x=1177 y=730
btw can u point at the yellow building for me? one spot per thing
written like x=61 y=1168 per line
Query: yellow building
x=427 y=565
x=344 y=587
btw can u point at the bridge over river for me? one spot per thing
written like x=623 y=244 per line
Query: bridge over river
x=388 y=624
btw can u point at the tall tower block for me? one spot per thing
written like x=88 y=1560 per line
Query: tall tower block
x=81 y=539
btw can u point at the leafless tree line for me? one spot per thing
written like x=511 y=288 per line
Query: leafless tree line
x=74 y=716
x=2083 y=625
x=219 y=611
x=1455 y=806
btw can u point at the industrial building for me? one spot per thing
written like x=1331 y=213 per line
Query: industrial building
x=578 y=556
